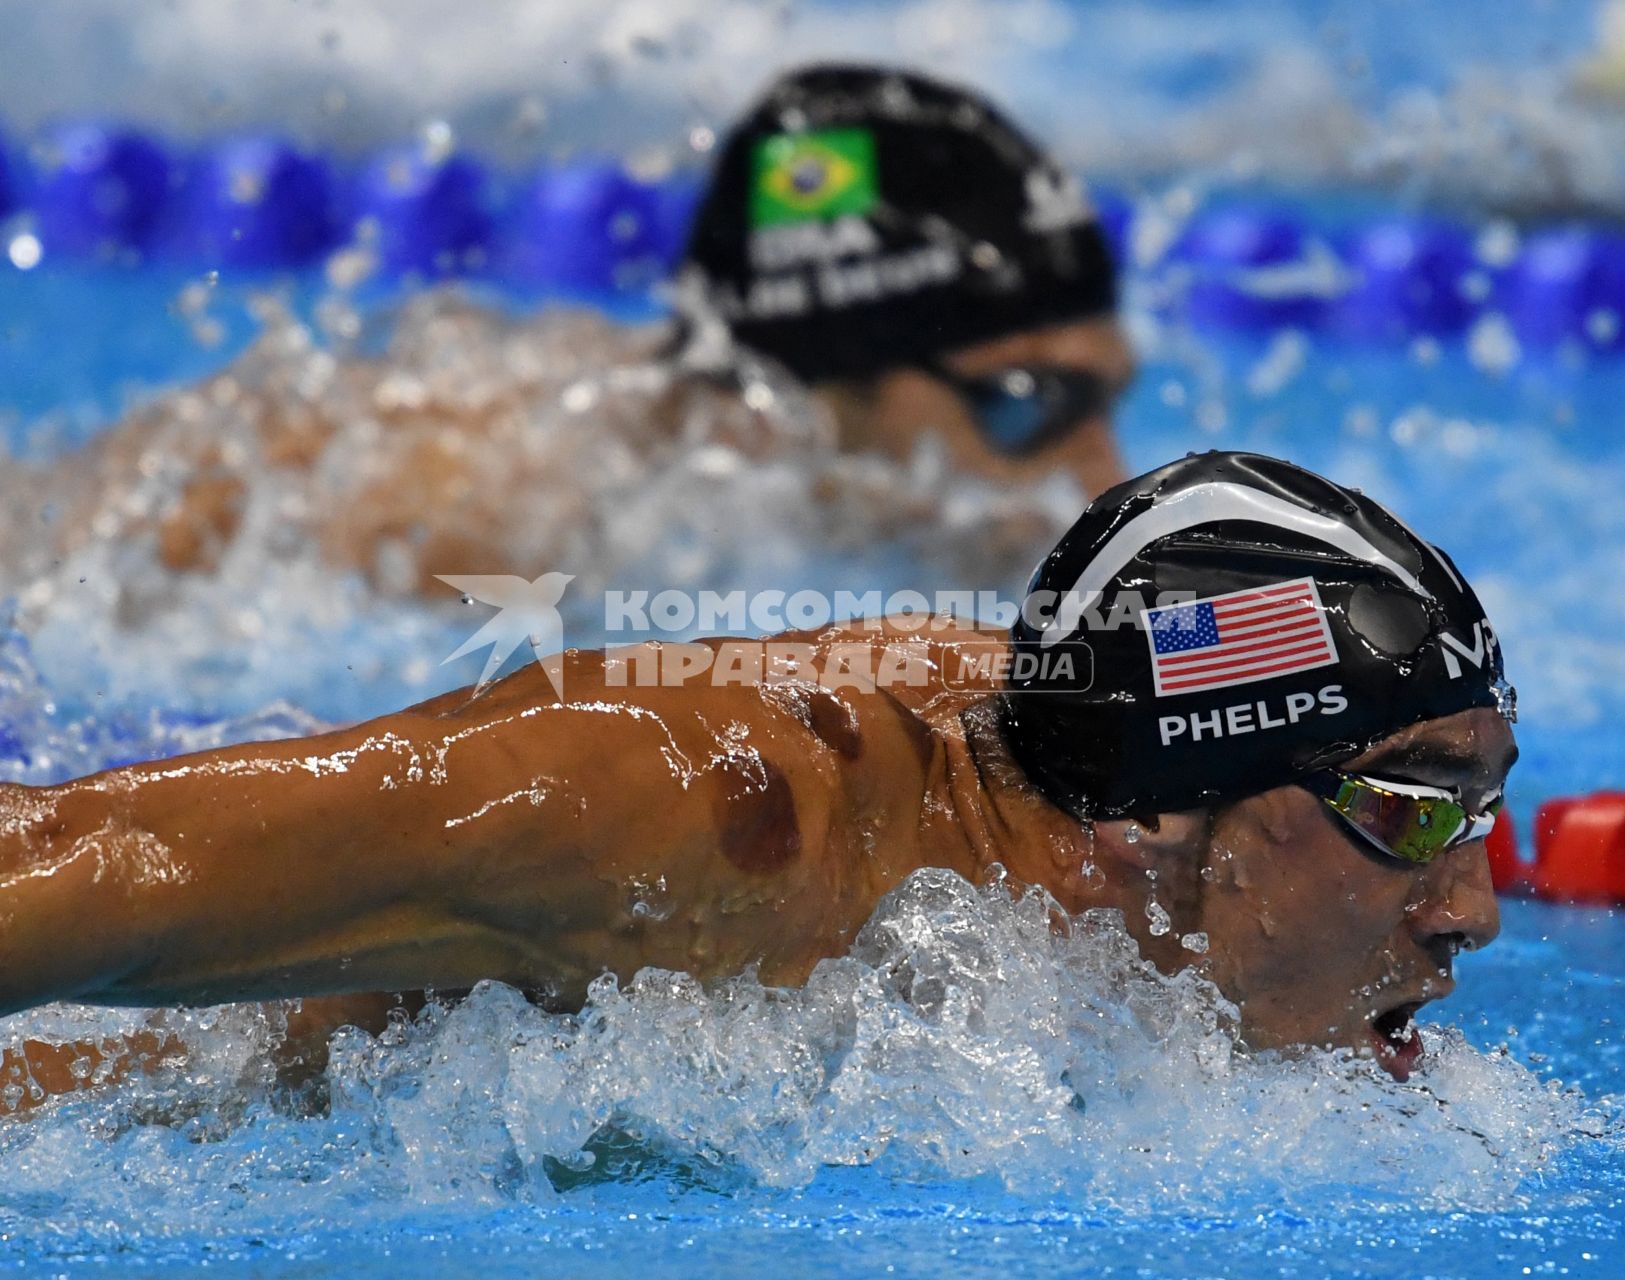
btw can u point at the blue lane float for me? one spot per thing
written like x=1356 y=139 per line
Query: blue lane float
x=1247 y=266
x=586 y=226
x=1568 y=285
x=259 y=202
x=103 y=191
x=429 y=214
x=8 y=195
x=98 y=189
x=1116 y=214
x=676 y=202
x=1407 y=277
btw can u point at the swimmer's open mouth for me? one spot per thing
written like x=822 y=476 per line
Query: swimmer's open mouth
x=1397 y=1041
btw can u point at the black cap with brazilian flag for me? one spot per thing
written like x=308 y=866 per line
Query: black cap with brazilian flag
x=862 y=218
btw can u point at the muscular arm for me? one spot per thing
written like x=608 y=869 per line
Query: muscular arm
x=511 y=837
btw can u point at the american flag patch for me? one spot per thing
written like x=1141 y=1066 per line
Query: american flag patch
x=1238 y=638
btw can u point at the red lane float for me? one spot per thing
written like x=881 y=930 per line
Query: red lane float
x=1506 y=868
x=1579 y=850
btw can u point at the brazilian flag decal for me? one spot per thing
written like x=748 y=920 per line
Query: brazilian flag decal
x=823 y=174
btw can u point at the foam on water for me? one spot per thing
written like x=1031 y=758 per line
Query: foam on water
x=964 y=1035
x=560 y=443
x=40 y=744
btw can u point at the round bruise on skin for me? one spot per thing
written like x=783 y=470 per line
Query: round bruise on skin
x=755 y=814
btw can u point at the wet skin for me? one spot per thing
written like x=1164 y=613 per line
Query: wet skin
x=519 y=837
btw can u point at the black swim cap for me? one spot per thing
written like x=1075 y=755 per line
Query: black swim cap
x=1234 y=623
x=861 y=218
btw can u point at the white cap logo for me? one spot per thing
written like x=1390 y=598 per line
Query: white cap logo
x=1055 y=201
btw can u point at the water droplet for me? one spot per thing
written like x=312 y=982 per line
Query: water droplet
x=1506 y=701
x=1498 y=243
x=439 y=140
x=1161 y=923
x=1195 y=942
x=649 y=900
x=1492 y=346
x=25 y=251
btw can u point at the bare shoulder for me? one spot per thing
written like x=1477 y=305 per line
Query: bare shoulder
x=913 y=677
x=860 y=706
x=930 y=665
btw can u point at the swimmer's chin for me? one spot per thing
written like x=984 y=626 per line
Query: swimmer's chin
x=1389 y=1038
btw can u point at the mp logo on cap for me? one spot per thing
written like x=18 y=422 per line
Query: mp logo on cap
x=1055 y=202
x=1454 y=650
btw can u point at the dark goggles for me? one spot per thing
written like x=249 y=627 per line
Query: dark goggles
x=1026 y=408
x=1405 y=820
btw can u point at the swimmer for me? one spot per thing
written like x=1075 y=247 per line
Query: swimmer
x=899 y=245
x=1276 y=746
x=923 y=270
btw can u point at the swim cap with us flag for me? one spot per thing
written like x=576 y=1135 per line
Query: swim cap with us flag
x=1245 y=623
x=863 y=218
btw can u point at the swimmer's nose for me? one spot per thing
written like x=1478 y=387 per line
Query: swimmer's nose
x=1458 y=910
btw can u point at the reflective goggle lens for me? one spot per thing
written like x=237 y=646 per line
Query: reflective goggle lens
x=1026 y=408
x=1409 y=821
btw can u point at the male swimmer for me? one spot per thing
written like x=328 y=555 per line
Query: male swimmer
x=921 y=265
x=1243 y=702
x=904 y=249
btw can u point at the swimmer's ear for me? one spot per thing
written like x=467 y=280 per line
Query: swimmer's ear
x=1148 y=844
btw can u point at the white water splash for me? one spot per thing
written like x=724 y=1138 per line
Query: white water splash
x=964 y=1035
x=324 y=490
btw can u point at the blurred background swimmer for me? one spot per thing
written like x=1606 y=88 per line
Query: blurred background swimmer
x=895 y=242
x=931 y=279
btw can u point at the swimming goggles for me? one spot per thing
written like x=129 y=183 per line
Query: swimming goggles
x=1405 y=820
x=1026 y=408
